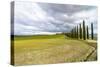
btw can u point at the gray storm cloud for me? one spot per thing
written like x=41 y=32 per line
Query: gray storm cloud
x=31 y=18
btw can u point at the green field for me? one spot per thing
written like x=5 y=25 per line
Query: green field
x=47 y=49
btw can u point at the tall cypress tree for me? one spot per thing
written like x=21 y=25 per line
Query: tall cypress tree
x=92 y=31
x=72 y=33
x=77 y=31
x=80 y=32
x=87 y=33
x=84 y=32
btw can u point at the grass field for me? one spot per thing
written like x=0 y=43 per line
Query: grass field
x=47 y=49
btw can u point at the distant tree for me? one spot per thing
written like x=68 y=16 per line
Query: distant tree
x=84 y=32
x=80 y=32
x=87 y=33
x=77 y=32
x=92 y=31
x=73 y=32
x=72 y=35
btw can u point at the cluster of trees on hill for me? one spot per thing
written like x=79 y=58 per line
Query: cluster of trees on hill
x=81 y=31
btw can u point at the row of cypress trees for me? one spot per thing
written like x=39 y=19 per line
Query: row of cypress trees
x=81 y=31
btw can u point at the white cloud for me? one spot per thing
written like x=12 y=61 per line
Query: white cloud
x=33 y=18
x=87 y=14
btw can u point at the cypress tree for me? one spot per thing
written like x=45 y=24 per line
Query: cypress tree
x=72 y=33
x=80 y=32
x=84 y=32
x=77 y=31
x=92 y=31
x=87 y=33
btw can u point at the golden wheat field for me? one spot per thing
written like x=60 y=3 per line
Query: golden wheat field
x=52 y=49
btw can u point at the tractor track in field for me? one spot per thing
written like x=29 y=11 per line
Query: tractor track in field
x=95 y=49
x=89 y=55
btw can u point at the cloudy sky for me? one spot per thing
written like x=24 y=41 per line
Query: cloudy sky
x=47 y=18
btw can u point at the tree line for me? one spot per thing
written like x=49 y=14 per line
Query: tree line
x=81 y=31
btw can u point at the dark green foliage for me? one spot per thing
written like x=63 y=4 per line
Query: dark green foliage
x=80 y=32
x=77 y=32
x=92 y=31
x=87 y=33
x=68 y=34
x=72 y=33
x=84 y=31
